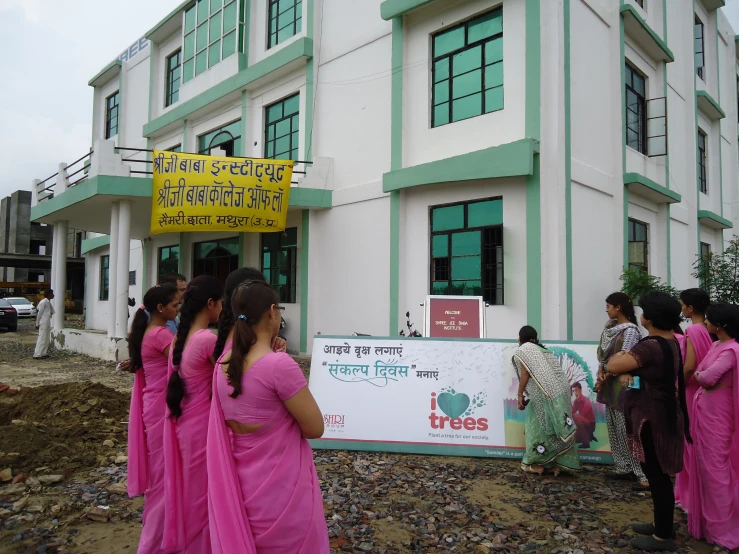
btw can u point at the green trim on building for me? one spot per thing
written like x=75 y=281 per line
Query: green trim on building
x=88 y=245
x=304 y=197
x=668 y=233
x=568 y=170
x=713 y=220
x=183 y=147
x=310 y=90
x=95 y=106
x=623 y=142
x=649 y=40
x=168 y=17
x=651 y=189
x=533 y=179
x=390 y=9
x=304 y=270
x=152 y=80
x=695 y=150
x=301 y=49
x=102 y=75
x=396 y=166
x=244 y=55
x=132 y=187
x=709 y=106
x=515 y=159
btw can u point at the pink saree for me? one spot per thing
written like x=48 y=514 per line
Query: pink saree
x=145 y=436
x=714 y=492
x=701 y=341
x=185 y=472
x=263 y=491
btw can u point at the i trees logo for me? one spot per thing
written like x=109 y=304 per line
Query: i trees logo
x=457 y=410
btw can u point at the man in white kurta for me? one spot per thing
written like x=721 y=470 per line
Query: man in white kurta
x=43 y=324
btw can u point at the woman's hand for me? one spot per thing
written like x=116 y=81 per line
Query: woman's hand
x=626 y=380
x=279 y=345
x=521 y=404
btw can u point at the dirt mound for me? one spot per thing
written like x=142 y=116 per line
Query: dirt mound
x=62 y=426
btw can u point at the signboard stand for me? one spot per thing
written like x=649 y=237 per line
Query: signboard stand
x=460 y=317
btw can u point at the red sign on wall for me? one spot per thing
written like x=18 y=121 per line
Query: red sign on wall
x=454 y=317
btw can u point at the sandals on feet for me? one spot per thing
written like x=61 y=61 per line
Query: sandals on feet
x=650 y=544
x=718 y=549
x=643 y=528
x=530 y=469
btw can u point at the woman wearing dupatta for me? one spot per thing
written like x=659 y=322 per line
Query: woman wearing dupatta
x=549 y=428
x=714 y=483
x=263 y=491
x=149 y=344
x=696 y=344
x=620 y=333
x=186 y=428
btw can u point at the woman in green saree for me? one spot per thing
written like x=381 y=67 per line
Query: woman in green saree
x=550 y=427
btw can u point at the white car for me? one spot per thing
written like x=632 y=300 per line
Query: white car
x=23 y=306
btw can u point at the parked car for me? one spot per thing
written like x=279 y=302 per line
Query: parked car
x=23 y=306
x=8 y=316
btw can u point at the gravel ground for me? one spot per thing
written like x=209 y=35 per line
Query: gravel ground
x=374 y=502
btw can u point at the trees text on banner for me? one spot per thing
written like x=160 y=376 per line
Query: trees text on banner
x=194 y=192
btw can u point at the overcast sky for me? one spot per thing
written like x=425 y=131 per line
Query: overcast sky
x=51 y=49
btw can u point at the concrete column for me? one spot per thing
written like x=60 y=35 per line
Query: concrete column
x=60 y=256
x=112 y=265
x=124 y=256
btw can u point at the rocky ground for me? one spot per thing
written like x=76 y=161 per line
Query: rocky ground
x=63 y=478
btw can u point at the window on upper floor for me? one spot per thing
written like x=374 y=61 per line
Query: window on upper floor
x=175 y=148
x=279 y=262
x=638 y=245
x=702 y=162
x=467 y=70
x=104 y=277
x=285 y=20
x=640 y=3
x=131 y=278
x=705 y=250
x=699 y=48
x=636 y=110
x=174 y=73
x=467 y=250
x=282 y=129
x=209 y=35
x=111 y=115
x=227 y=138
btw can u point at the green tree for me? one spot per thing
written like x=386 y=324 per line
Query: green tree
x=718 y=274
x=637 y=283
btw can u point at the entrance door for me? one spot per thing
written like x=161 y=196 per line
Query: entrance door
x=216 y=258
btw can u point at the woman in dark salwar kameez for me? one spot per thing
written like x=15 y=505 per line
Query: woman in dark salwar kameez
x=656 y=414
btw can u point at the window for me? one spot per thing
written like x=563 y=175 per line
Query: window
x=282 y=129
x=111 y=115
x=636 y=110
x=467 y=250
x=279 y=262
x=176 y=148
x=227 y=138
x=217 y=258
x=640 y=2
x=705 y=250
x=702 y=162
x=468 y=69
x=209 y=35
x=699 y=48
x=174 y=72
x=131 y=278
x=638 y=245
x=285 y=20
x=169 y=261
x=104 y=277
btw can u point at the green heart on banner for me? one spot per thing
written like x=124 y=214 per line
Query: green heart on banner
x=453 y=405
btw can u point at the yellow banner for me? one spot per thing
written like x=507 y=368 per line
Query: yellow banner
x=193 y=192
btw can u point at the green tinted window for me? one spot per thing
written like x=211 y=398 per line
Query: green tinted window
x=466 y=244
x=209 y=35
x=285 y=20
x=279 y=262
x=482 y=214
x=468 y=69
x=448 y=217
x=282 y=129
x=440 y=246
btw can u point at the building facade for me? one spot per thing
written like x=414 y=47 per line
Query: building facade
x=520 y=150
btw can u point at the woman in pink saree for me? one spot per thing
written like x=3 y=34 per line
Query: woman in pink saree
x=186 y=428
x=149 y=344
x=714 y=484
x=697 y=343
x=263 y=491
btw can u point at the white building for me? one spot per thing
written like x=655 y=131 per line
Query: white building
x=513 y=149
